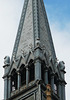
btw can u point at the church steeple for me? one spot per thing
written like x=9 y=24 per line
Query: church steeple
x=33 y=25
x=33 y=70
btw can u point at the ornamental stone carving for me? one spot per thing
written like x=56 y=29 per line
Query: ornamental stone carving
x=7 y=60
x=62 y=65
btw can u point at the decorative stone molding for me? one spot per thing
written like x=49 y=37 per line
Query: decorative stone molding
x=20 y=26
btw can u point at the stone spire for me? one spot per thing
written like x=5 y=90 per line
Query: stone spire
x=33 y=73
x=33 y=25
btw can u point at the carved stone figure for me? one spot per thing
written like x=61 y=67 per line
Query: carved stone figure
x=62 y=65
x=37 y=42
x=7 y=60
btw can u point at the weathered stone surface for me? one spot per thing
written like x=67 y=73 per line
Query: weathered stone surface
x=27 y=31
x=45 y=37
x=33 y=64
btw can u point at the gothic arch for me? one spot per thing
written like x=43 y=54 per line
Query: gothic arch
x=23 y=74
x=29 y=57
x=49 y=74
x=31 y=70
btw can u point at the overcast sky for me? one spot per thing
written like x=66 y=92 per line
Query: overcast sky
x=58 y=12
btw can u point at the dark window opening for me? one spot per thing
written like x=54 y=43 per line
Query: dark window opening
x=13 y=80
x=55 y=83
x=49 y=76
x=42 y=71
x=31 y=71
x=23 y=75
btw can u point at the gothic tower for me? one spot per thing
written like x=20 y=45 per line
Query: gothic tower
x=33 y=73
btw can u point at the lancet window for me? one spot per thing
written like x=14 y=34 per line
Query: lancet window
x=49 y=75
x=23 y=74
x=31 y=71
x=42 y=70
x=55 y=83
x=13 y=80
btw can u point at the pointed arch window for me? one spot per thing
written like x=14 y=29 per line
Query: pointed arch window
x=42 y=70
x=49 y=75
x=31 y=71
x=23 y=74
x=13 y=80
x=55 y=83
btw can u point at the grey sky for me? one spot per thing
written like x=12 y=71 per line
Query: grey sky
x=10 y=11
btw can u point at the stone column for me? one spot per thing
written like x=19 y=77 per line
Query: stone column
x=46 y=76
x=59 y=90
x=39 y=92
x=63 y=91
x=38 y=58
x=19 y=79
x=62 y=71
x=37 y=69
x=27 y=76
x=9 y=86
x=52 y=81
x=5 y=88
